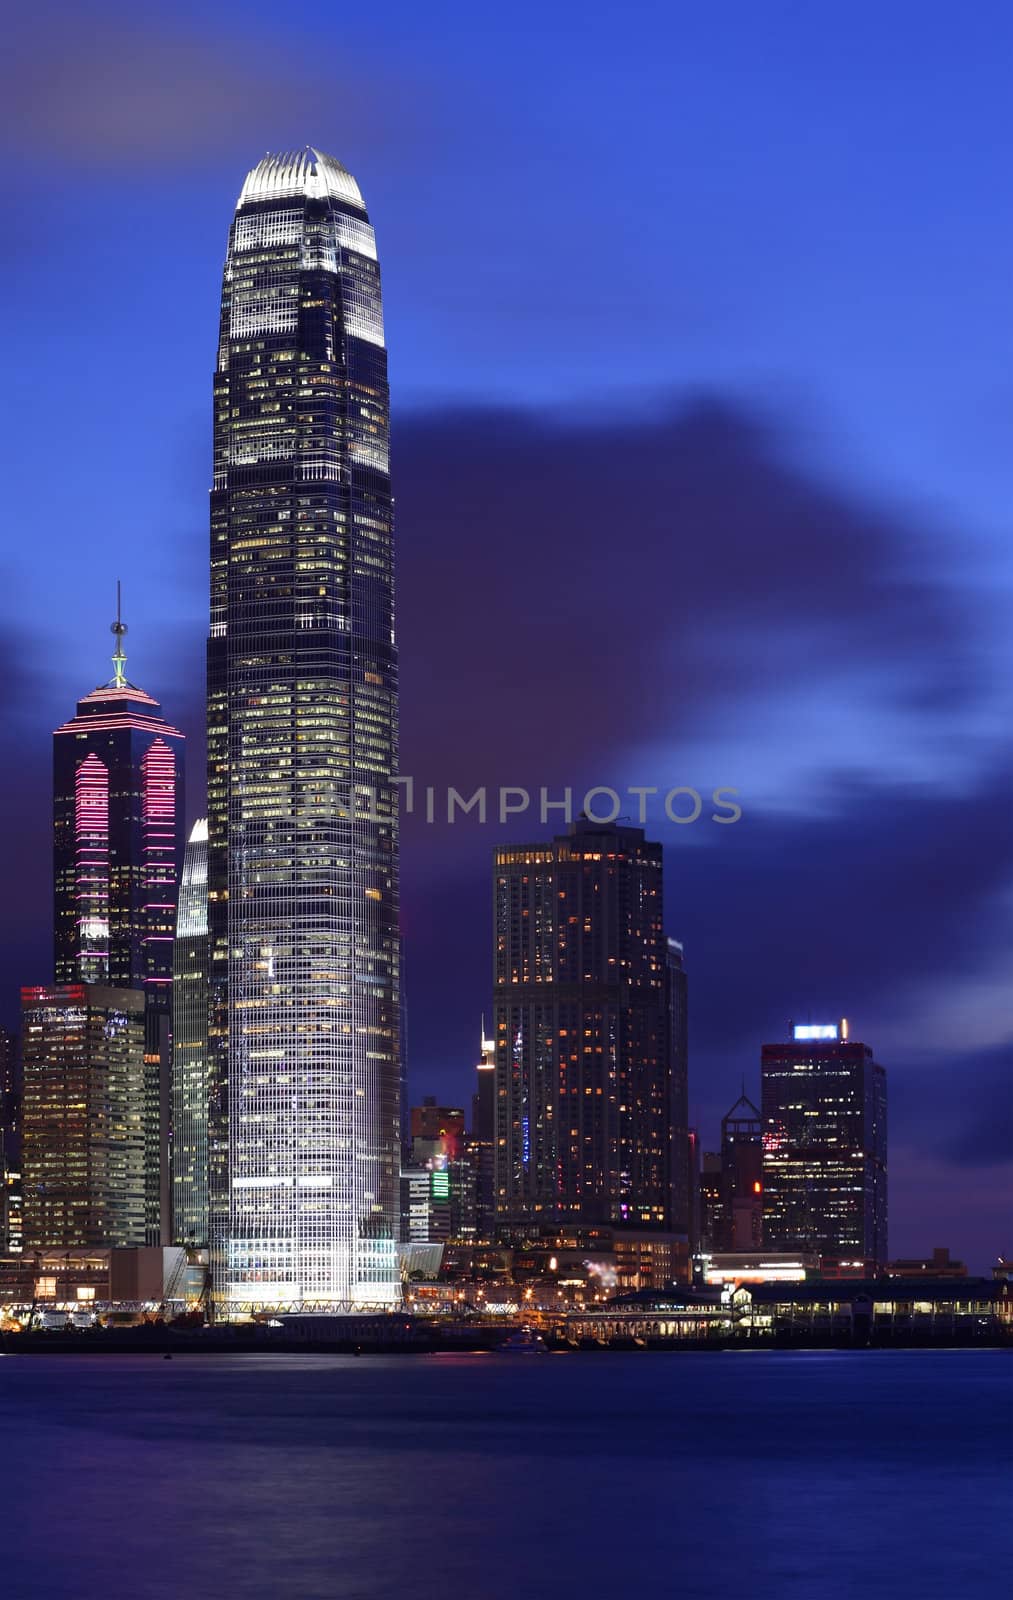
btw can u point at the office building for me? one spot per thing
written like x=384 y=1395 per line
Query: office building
x=582 y=1033
x=304 y=1006
x=83 y=1155
x=742 y=1177
x=439 y=1148
x=824 y=1146
x=680 y=1204
x=711 y=1189
x=482 y=1138
x=939 y=1265
x=117 y=853
x=10 y=1096
x=438 y=1126
x=190 y=1157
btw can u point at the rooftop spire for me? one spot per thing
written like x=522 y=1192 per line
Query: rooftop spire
x=119 y=628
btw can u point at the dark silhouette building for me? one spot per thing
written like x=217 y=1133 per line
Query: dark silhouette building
x=582 y=1029
x=742 y=1177
x=680 y=1208
x=824 y=1146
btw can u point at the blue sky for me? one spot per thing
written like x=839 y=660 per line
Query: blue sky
x=728 y=289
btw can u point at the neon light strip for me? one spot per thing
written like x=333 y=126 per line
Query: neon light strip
x=91 y=873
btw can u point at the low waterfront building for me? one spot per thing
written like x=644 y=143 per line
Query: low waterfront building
x=879 y=1311
x=939 y=1265
x=883 y=1310
x=145 y=1279
x=758 y=1266
x=677 y=1315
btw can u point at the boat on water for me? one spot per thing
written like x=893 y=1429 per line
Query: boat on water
x=525 y=1342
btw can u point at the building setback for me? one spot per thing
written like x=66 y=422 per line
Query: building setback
x=117 y=854
x=304 y=1059
x=84 y=1116
x=824 y=1146
x=582 y=1032
x=190 y=1046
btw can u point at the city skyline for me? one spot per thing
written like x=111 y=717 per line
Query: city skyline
x=879 y=521
x=552 y=1059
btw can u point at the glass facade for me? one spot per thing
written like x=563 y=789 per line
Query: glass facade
x=117 y=852
x=189 y=1046
x=84 y=1116
x=584 y=1100
x=824 y=1150
x=303 y=1045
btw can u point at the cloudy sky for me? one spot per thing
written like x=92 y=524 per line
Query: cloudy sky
x=700 y=356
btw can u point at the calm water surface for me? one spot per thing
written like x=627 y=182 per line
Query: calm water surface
x=481 y=1477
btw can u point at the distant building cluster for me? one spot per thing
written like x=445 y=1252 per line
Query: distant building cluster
x=213 y=1077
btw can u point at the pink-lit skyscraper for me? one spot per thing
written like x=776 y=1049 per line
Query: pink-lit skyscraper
x=117 y=854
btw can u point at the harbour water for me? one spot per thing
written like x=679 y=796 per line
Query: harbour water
x=795 y=1474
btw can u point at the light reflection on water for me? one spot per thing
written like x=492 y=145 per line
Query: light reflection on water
x=788 y=1474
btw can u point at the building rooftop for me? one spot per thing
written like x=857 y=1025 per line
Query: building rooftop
x=300 y=172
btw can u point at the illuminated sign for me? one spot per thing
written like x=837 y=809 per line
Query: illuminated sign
x=439 y=1185
x=821 y=1030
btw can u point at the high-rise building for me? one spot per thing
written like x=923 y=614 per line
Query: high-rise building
x=84 y=1116
x=742 y=1177
x=678 y=1079
x=430 y=1123
x=117 y=853
x=439 y=1147
x=582 y=1032
x=824 y=1146
x=10 y=1144
x=482 y=1138
x=190 y=1046
x=693 y=1155
x=711 y=1190
x=302 y=755
x=10 y=1096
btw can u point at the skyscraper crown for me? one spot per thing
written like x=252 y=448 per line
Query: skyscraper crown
x=300 y=172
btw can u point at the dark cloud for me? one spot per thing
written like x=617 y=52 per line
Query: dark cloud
x=120 y=91
x=587 y=586
x=978 y=1085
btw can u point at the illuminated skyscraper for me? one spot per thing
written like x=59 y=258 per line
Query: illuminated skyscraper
x=190 y=1046
x=584 y=1101
x=84 y=1116
x=117 y=852
x=824 y=1146
x=302 y=755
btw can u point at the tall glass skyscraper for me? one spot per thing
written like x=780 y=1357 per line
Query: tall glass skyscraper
x=190 y=1046
x=85 y=1141
x=583 y=1033
x=302 y=755
x=824 y=1146
x=117 y=852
